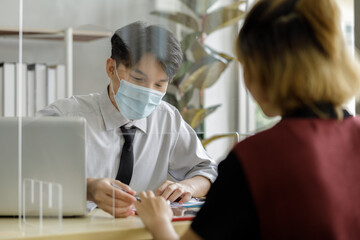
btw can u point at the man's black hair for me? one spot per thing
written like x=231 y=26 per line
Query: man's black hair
x=130 y=43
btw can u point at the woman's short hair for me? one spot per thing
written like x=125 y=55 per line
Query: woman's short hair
x=131 y=42
x=295 y=49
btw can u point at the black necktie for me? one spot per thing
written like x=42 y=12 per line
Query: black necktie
x=127 y=157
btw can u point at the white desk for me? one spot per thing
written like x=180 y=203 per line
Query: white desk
x=96 y=225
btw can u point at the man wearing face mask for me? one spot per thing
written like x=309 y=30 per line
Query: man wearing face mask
x=134 y=139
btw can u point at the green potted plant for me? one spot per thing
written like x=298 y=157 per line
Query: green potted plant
x=202 y=65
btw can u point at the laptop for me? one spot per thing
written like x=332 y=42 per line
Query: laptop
x=53 y=155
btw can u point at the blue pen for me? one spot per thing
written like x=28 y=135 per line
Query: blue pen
x=116 y=186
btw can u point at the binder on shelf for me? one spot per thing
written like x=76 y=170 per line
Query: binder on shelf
x=1 y=89
x=60 y=81
x=21 y=105
x=51 y=85
x=8 y=89
x=35 y=101
x=30 y=90
x=40 y=86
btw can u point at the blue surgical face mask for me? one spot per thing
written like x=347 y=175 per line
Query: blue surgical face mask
x=136 y=102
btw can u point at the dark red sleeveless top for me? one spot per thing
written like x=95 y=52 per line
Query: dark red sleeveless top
x=304 y=177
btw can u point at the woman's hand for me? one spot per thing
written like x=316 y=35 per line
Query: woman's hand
x=156 y=214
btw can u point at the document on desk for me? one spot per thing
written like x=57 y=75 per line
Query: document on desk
x=194 y=202
x=90 y=206
x=186 y=211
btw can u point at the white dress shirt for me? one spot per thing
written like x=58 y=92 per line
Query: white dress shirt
x=164 y=144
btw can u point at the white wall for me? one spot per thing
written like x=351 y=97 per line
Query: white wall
x=224 y=92
x=347 y=9
x=347 y=19
x=89 y=57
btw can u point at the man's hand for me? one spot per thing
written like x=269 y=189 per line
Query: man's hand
x=173 y=191
x=183 y=191
x=100 y=191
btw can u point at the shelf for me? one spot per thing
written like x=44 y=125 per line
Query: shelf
x=68 y=36
x=46 y=34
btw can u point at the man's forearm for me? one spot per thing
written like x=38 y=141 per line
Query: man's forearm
x=199 y=185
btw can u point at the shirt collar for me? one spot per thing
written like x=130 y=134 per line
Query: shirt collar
x=113 y=118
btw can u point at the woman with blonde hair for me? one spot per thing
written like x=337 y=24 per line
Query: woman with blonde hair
x=299 y=179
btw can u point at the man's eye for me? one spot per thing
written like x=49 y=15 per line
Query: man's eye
x=136 y=78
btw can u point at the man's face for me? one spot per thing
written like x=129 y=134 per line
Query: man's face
x=148 y=73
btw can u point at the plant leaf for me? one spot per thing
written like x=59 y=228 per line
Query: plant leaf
x=210 y=75
x=185 y=65
x=224 y=56
x=189 y=39
x=178 y=17
x=198 y=51
x=213 y=138
x=199 y=7
x=196 y=70
x=223 y=17
x=227 y=57
x=196 y=116
x=189 y=81
x=189 y=114
x=212 y=109
x=171 y=98
x=185 y=99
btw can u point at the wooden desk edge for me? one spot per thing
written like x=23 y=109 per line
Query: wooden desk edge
x=129 y=233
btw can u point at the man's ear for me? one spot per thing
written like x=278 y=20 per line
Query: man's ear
x=110 y=67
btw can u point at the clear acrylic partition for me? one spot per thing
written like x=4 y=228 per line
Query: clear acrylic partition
x=61 y=48
x=72 y=42
x=219 y=144
x=42 y=206
x=44 y=174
